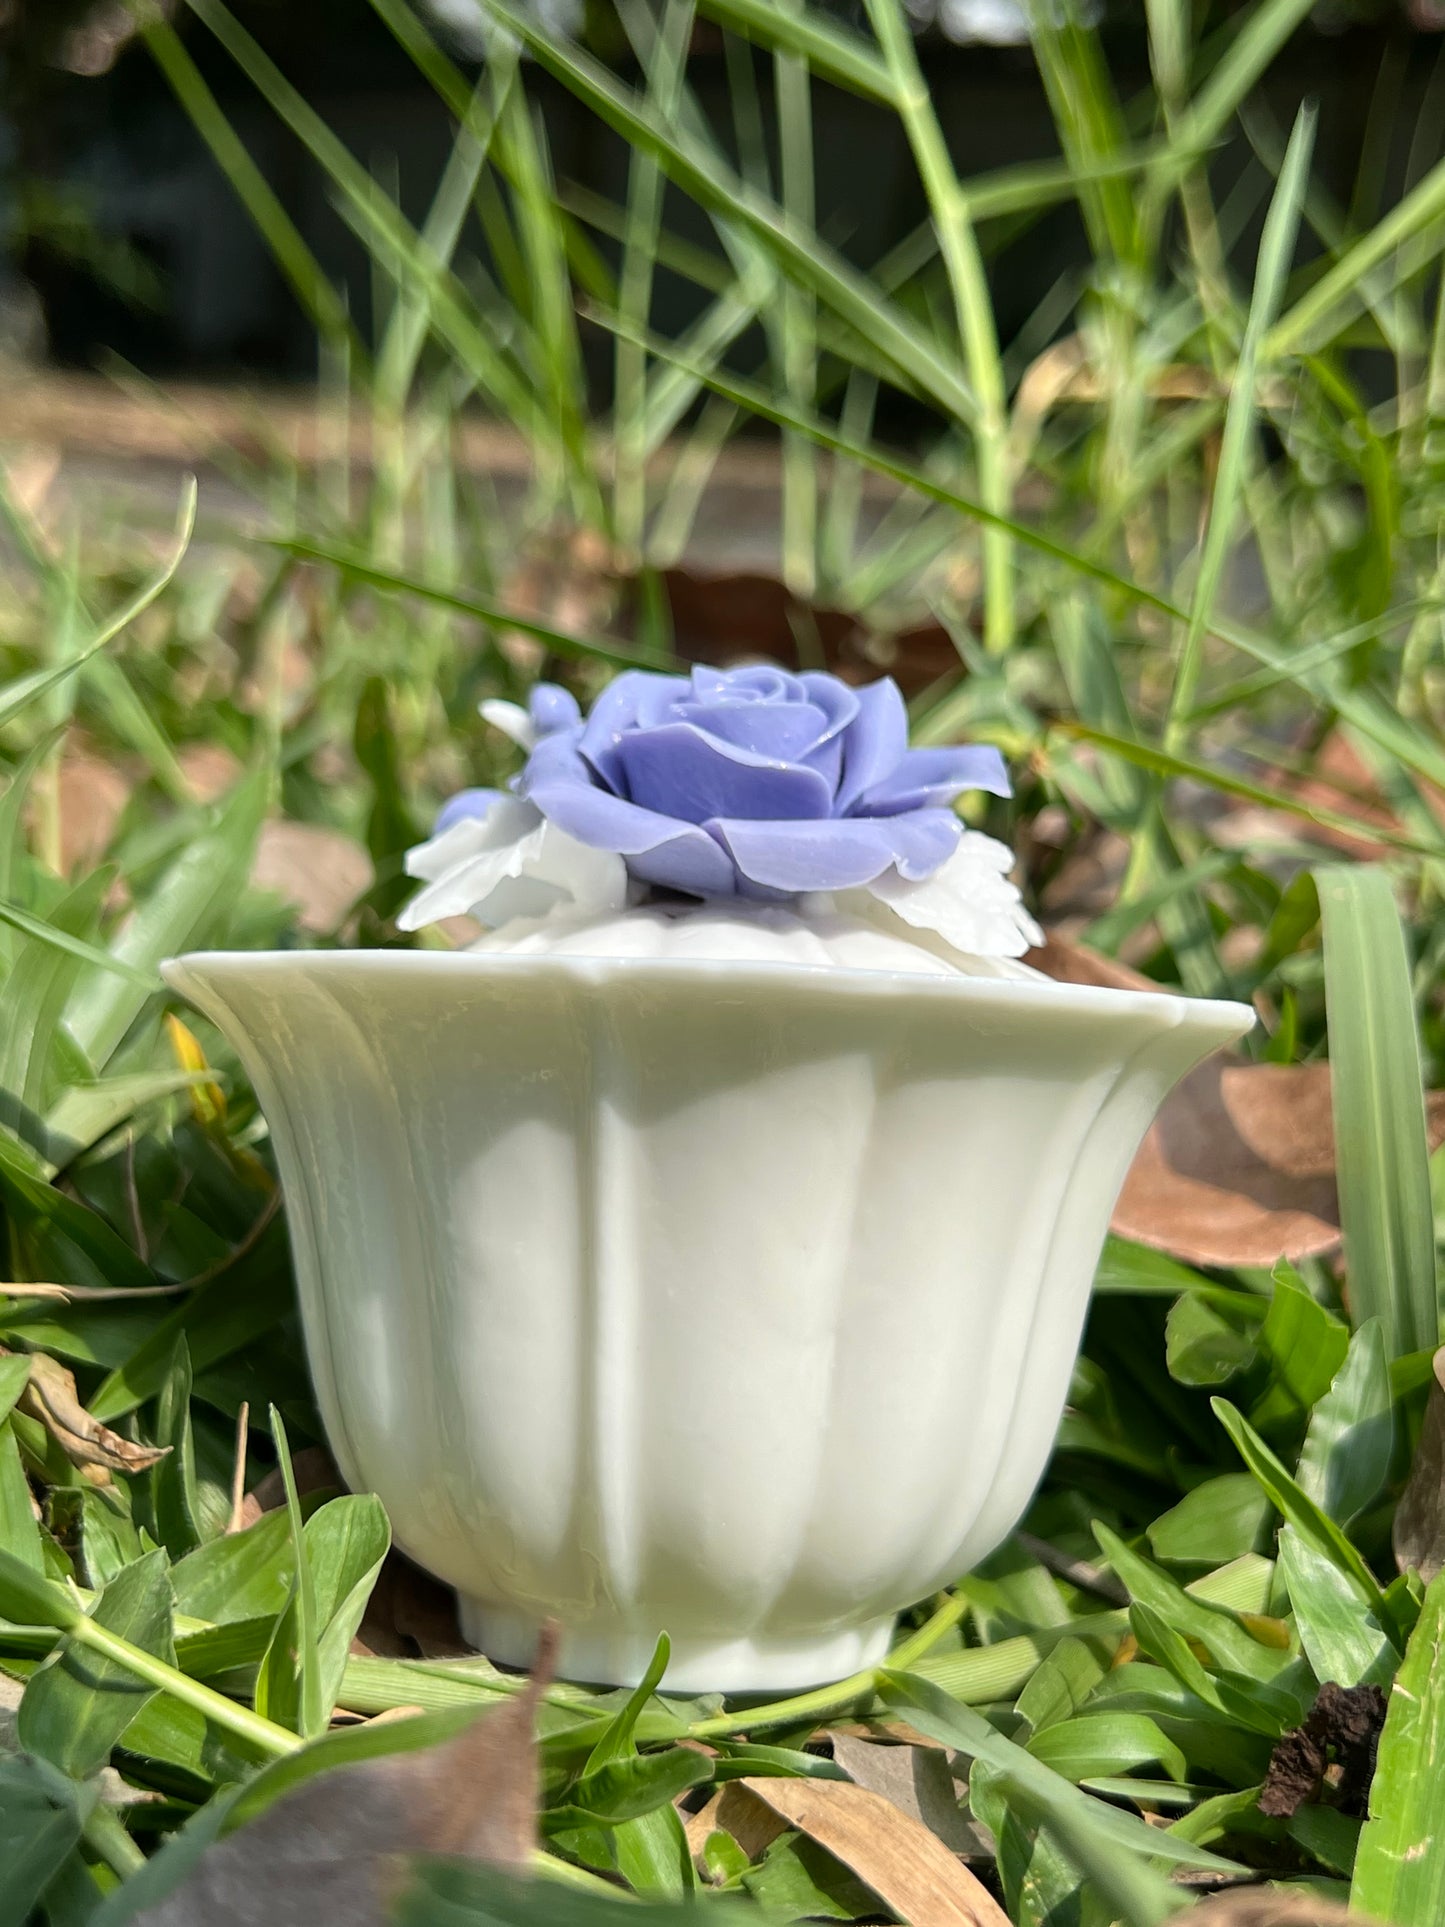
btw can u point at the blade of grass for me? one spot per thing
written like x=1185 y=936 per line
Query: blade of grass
x=1399 y=1871
x=25 y=689
x=802 y=256
x=1381 y=1152
x=1276 y=250
x=972 y=304
x=296 y=261
x=356 y=565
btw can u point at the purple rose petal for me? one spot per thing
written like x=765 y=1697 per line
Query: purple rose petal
x=838 y=854
x=926 y=778
x=464 y=804
x=752 y=781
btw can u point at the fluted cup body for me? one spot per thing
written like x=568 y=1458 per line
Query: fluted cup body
x=732 y=1300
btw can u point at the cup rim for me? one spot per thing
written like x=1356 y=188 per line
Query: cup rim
x=1225 y=1019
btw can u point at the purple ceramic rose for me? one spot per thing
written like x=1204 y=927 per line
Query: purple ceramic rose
x=748 y=783
x=752 y=782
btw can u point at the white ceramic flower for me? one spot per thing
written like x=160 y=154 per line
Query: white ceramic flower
x=507 y=863
x=748 y=787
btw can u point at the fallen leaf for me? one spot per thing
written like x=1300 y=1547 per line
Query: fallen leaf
x=411 y=1615
x=1239 y=1166
x=732 y=1809
x=1266 y=1907
x=92 y=793
x=50 y=1396
x=1341 y=1733
x=1418 y=1534
x=889 y=1851
x=319 y=871
x=209 y=769
x=723 y=616
x=330 y=1850
x=916 y=1780
x=1075 y=963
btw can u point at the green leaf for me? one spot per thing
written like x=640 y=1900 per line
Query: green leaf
x=1350 y=1441
x=1297 y=1507
x=344 y=1543
x=1229 y=1644
x=79 y=1703
x=1343 y=1640
x=799 y=1880
x=1243 y=1701
x=1060 y=1686
x=1206 y=1342
x=1306 y=1345
x=243 y=1575
x=14 y=1377
x=77 y=947
x=630 y=1789
x=1221 y=1519
x=1276 y=251
x=1107 y=1743
x=196 y=893
x=651 y=1850
x=1400 y=1865
x=41 y=1816
x=1381 y=1154
x=30 y=1600
x=454 y=1893
x=288 y=1687
x=174 y=1500
x=1036 y=1787
x=19 y=1528
x=25 y=689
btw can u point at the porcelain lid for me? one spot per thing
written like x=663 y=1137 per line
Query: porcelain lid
x=825 y=938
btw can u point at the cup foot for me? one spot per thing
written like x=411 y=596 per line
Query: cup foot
x=619 y=1657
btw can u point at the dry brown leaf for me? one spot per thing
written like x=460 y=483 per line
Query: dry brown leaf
x=889 y=1851
x=50 y=1396
x=329 y=1851
x=732 y=1809
x=1419 y=1530
x=318 y=870
x=1266 y=1907
x=917 y=1780
x=1075 y=963
x=1239 y=1166
x=92 y=794
x=210 y=770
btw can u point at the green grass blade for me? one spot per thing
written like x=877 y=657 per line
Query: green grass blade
x=275 y=226
x=698 y=168
x=832 y=51
x=1276 y=250
x=1381 y=1152
x=73 y=946
x=1419 y=213
x=25 y=689
x=972 y=303
x=356 y=565
x=1400 y=1865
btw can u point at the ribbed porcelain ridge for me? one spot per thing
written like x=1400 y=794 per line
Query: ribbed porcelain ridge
x=732 y=1295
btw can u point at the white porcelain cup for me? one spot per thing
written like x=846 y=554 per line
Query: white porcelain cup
x=736 y=1300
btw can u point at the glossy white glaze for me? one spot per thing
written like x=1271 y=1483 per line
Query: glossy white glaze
x=736 y=1298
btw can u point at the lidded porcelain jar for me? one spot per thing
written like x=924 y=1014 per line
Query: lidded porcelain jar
x=715 y=1269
